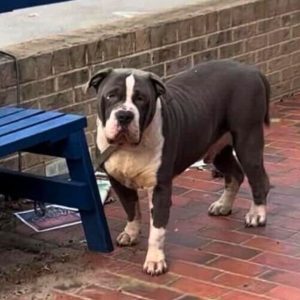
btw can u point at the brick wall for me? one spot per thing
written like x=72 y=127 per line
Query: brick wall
x=54 y=70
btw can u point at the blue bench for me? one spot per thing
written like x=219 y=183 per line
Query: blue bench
x=8 y=5
x=61 y=135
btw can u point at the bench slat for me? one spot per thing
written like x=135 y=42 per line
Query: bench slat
x=28 y=122
x=51 y=130
x=19 y=116
x=6 y=111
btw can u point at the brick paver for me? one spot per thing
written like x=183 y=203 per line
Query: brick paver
x=214 y=257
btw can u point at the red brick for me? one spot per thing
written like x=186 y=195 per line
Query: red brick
x=278 y=36
x=177 y=190
x=216 y=222
x=188 y=254
x=136 y=272
x=189 y=226
x=198 y=288
x=186 y=239
x=198 y=184
x=282 y=277
x=202 y=196
x=117 y=212
x=294 y=238
x=284 y=145
x=178 y=65
x=149 y=292
x=205 y=56
x=284 y=293
x=237 y=266
x=131 y=255
x=187 y=297
x=286 y=211
x=273 y=246
x=180 y=200
x=99 y=293
x=282 y=221
x=278 y=261
x=198 y=174
x=269 y=231
x=289 y=104
x=231 y=250
x=192 y=270
x=244 y=283
x=256 y=42
x=242 y=296
x=224 y=235
x=289 y=200
x=294 y=117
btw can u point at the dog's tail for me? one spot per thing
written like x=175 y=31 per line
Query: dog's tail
x=268 y=95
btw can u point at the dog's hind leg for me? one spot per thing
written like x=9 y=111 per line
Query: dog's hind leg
x=130 y=202
x=228 y=165
x=249 y=148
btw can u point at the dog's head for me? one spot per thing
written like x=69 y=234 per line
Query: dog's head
x=126 y=102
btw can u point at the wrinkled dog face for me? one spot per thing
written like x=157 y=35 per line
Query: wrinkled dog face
x=126 y=102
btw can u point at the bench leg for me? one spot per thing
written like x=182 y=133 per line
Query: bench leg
x=94 y=221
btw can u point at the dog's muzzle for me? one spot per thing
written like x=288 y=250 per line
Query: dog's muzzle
x=124 y=129
x=124 y=117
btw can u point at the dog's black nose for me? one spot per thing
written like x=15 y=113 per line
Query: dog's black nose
x=124 y=117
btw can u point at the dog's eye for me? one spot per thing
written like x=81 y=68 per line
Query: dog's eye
x=111 y=96
x=139 y=98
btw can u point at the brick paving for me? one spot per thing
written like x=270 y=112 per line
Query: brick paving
x=213 y=257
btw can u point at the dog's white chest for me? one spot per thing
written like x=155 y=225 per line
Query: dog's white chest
x=136 y=169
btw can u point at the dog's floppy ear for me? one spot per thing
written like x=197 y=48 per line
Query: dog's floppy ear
x=97 y=78
x=158 y=84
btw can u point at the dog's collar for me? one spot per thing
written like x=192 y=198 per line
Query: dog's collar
x=105 y=155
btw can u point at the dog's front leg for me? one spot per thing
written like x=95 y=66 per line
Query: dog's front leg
x=159 y=204
x=129 y=199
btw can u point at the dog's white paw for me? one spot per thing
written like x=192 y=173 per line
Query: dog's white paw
x=129 y=236
x=220 y=208
x=124 y=239
x=155 y=263
x=155 y=268
x=223 y=206
x=257 y=216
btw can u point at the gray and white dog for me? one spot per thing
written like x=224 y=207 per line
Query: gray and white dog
x=162 y=128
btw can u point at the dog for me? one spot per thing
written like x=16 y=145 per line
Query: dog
x=159 y=129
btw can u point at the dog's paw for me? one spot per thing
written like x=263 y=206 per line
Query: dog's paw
x=219 y=208
x=129 y=236
x=155 y=268
x=124 y=239
x=155 y=263
x=257 y=216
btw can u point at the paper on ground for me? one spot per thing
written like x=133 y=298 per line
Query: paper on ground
x=200 y=165
x=56 y=217
x=104 y=187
